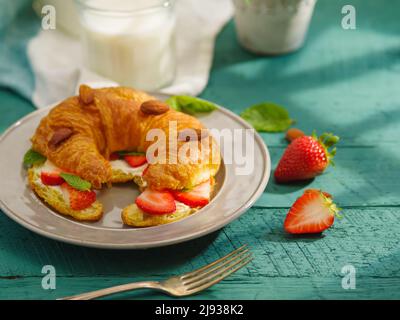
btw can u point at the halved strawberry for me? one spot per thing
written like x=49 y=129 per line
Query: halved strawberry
x=114 y=156
x=313 y=212
x=51 y=178
x=79 y=200
x=199 y=196
x=135 y=161
x=156 y=202
x=326 y=194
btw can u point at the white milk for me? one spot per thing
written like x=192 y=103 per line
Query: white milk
x=133 y=46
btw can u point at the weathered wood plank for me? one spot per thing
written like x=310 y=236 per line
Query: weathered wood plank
x=342 y=81
x=239 y=286
x=366 y=238
x=361 y=177
x=12 y=108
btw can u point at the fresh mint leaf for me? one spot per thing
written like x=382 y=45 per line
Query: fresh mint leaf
x=173 y=103
x=32 y=157
x=190 y=105
x=76 y=182
x=267 y=117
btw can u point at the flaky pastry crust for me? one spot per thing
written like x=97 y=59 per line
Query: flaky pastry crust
x=103 y=121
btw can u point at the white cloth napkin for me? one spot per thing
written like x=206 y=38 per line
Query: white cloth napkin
x=57 y=62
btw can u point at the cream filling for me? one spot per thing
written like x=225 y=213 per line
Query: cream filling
x=123 y=166
x=181 y=207
x=48 y=166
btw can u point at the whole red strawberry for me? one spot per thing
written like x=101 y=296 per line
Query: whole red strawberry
x=306 y=157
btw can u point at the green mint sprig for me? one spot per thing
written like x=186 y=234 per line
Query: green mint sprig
x=76 y=182
x=130 y=153
x=32 y=157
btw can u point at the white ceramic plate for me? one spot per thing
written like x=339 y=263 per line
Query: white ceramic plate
x=234 y=195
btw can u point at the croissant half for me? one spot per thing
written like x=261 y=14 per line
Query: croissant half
x=81 y=133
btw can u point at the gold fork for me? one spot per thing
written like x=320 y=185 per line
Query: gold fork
x=185 y=284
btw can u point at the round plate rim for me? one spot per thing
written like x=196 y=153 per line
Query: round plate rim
x=166 y=242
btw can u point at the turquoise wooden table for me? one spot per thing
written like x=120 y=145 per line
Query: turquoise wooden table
x=345 y=81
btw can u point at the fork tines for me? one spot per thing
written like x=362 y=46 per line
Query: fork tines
x=216 y=271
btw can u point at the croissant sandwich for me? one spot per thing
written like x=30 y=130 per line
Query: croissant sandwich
x=115 y=135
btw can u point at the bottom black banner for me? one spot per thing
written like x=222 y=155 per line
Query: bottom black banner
x=199 y=309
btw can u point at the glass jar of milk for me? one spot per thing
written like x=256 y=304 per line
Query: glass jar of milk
x=130 y=42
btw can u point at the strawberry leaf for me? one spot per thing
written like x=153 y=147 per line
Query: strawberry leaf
x=328 y=140
x=267 y=117
x=32 y=157
x=76 y=182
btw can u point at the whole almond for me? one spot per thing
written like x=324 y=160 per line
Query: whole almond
x=154 y=107
x=59 y=136
x=294 y=133
x=187 y=135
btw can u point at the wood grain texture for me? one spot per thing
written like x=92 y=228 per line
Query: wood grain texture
x=237 y=287
x=361 y=177
x=12 y=108
x=344 y=81
x=366 y=238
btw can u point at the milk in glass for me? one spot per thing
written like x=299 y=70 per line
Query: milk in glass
x=130 y=42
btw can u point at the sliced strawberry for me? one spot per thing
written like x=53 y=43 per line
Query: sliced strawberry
x=326 y=194
x=79 y=200
x=51 y=178
x=199 y=196
x=313 y=212
x=135 y=161
x=114 y=156
x=156 y=202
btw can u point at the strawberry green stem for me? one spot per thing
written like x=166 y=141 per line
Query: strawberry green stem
x=335 y=210
x=328 y=142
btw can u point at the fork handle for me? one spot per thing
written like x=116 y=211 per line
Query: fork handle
x=122 y=288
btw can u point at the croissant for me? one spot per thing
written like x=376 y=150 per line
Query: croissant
x=79 y=135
